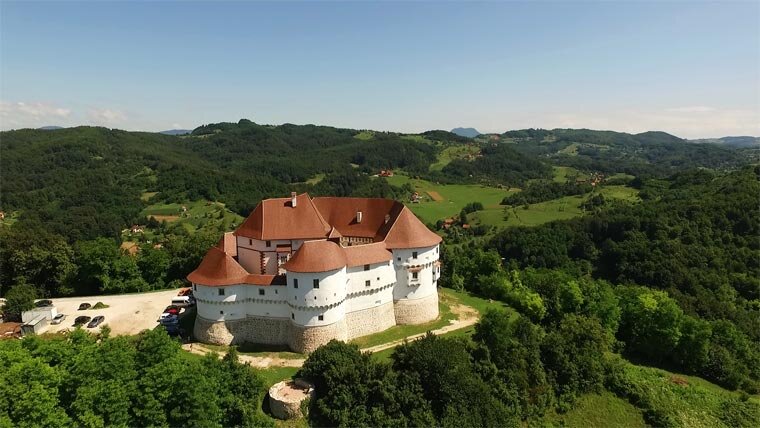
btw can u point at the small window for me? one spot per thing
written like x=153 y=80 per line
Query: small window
x=221 y=312
x=414 y=255
x=221 y=291
x=366 y=283
x=261 y=292
x=321 y=317
x=195 y=287
x=292 y=316
x=366 y=267
x=398 y=259
x=295 y=282
x=316 y=282
x=269 y=244
x=250 y=242
x=414 y=275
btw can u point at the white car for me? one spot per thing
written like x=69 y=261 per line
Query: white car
x=58 y=319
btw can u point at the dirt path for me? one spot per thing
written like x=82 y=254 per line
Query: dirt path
x=466 y=316
x=435 y=195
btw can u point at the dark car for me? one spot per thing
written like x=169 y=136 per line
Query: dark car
x=84 y=319
x=96 y=321
x=84 y=306
x=43 y=303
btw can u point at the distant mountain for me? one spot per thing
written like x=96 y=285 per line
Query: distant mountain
x=176 y=132
x=466 y=132
x=744 y=141
x=50 y=128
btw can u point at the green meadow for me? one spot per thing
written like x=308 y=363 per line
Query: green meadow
x=453 y=197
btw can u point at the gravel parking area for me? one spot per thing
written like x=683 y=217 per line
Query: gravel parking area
x=126 y=314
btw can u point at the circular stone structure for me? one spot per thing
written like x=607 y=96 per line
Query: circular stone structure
x=286 y=397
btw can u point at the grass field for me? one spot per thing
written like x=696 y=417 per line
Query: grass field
x=563 y=173
x=453 y=152
x=199 y=214
x=455 y=197
x=596 y=410
x=557 y=209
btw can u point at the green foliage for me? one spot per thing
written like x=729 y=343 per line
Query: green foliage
x=20 y=298
x=122 y=381
x=540 y=191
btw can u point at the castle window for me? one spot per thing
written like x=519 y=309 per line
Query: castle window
x=250 y=242
x=316 y=282
x=292 y=316
x=195 y=287
x=221 y=291
x=221 y=312
x=414 y=275
x=321 y=317
x=414 y=255
x=295 y=282
x=366 y=283
x=398 y=258
x=366 y=267
x=269 y=244
x=261 y=292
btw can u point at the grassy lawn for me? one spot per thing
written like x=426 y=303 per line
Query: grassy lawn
x=597 y=410
x=563 y=173
x=365 y=135
x=199 y=214
x=453 y=152
x=454 y=197
x=557 y=209
x=257 y=350
x=316 y=179
x=399 y=332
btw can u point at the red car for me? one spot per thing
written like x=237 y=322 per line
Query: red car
x=174 y=310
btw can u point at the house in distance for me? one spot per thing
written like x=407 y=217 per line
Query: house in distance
x=302 y=271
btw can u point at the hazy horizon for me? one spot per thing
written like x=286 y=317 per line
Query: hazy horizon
x=689 y=69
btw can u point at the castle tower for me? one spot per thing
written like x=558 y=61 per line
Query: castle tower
x=316 y=295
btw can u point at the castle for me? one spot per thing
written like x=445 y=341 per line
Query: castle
x=301 y=271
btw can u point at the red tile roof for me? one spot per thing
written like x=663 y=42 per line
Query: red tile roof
x=341 y=214
x=367 y=254
x=218 y=268
x=317 y=256
x=278 y=219
x=409 y=232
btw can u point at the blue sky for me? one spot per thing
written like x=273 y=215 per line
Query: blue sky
x=689 y=68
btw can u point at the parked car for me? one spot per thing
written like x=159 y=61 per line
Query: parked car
x=168 y=317
x=58 y=319
x=96 y=321
x=84 y=306
x=182 y=301
x=172 y=310
x=84 y=319
x=187 y=291
x=43 y=303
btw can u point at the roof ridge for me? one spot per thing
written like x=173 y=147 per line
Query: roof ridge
x=319 y=214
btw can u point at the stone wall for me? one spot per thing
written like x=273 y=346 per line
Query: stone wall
x=269 y=331
x=416 y=311
x=307 y=339
x=287 y=397
x=372 y=320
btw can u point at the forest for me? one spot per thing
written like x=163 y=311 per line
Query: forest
x=594 y=304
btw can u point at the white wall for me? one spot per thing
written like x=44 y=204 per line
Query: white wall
x=249 y=251
x=382 y=276
x=425 y=285
x=307 y=303
x=240 y=301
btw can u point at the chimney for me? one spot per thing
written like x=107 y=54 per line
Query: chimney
x=293 y=199
x=387 y=218
x=358 y=216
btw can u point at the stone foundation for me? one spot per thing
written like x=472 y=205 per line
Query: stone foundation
x=268 y=331
x=287 y=397
x=372 y=320
x=307 y=339
x=416 y=311
x=277 y=331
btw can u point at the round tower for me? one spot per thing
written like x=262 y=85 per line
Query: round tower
x=316 y=284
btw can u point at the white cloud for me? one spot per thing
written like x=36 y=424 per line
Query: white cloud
x=15 y=115
x=106 y=117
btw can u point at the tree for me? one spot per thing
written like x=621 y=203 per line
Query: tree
x=19 y=299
